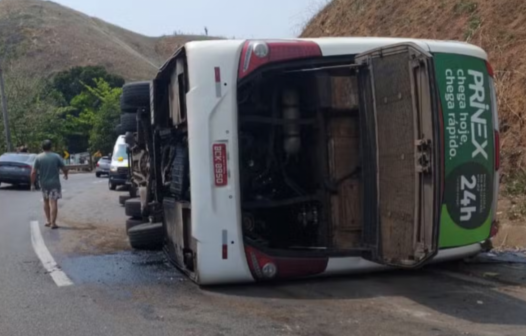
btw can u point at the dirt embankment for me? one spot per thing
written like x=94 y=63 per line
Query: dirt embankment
x=497 y=26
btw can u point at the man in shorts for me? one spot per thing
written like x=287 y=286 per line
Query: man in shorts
x=47 y=166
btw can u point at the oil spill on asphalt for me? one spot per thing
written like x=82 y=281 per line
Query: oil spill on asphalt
x=126 y=268
x=508 y=256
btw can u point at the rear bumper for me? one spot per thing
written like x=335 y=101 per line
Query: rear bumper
x=15 y=178
x=118 y=179
x=456 y=253
x=102 y=171
x=337 y=266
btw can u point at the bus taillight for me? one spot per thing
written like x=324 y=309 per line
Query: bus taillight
x=258 y=53
x=497 y=151
x=494 y=229
x=265 y=267
x=491 y=73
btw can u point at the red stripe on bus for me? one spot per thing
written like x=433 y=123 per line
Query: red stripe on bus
x=217 y=74
x=225 y=251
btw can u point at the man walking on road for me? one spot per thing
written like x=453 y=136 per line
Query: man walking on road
x=47 y=166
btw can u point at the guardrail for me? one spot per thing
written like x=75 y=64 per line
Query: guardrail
x=80 y=167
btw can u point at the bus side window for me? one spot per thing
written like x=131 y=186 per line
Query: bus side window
x=181 y=89
x=182 y=96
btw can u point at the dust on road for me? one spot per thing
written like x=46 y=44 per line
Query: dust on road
x=145 y=289
x=92 y=220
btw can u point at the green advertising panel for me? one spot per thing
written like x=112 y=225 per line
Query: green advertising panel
x=463 y=84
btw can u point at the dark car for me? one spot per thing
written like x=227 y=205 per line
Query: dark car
x=15 y=168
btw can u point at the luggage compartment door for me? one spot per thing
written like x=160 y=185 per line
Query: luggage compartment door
x=401 y=173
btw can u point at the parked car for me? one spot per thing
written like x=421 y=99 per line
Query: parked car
x=103 y=166
x=119 y=171
x=15 y=168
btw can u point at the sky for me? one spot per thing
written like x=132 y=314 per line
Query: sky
x=226 y=18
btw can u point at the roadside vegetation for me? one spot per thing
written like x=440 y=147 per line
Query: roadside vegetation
x=77 y=109
x=52 y=93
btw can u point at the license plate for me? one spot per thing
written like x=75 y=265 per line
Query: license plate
x=220 y=165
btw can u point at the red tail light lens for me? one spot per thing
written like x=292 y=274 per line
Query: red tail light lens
x=258 y=53
x=264 y=267
x=497 y=151
x=491 y=73
x=494 y=229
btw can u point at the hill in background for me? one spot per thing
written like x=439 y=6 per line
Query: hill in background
x=43 y=38
x=497 y=26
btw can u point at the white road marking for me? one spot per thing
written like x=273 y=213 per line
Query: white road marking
x=50 y=265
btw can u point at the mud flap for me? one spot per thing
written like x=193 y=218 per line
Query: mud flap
x=400 y=226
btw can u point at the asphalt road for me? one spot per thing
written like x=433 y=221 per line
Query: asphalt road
x=117 y=292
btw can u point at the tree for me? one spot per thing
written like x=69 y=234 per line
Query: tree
x=72 y=82
x=100 y=117
x=37 y=112
x=31 y=111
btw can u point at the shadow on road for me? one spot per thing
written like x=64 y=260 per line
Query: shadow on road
x=428 y=287
x=12 y=187
x=457 y=298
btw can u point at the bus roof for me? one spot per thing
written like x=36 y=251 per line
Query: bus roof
x=330 y=46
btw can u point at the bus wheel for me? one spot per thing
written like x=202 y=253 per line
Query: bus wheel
x=133 y=208
x=146 y=236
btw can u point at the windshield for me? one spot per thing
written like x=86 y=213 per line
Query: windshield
x=22 y=158
x=120 y=151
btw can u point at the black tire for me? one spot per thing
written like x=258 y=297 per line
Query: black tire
x=123 y=199
x=112 y=186
x=487 y=245
x=97 y=175
x=146 y=236
x=118 y=129
x=131 y=223
x=134 y=96
x=180 y=182
x=129 y=139
x=133 y=208
x=129 y=122
x=140 y=131
x=133 y=191
x=127 y=108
